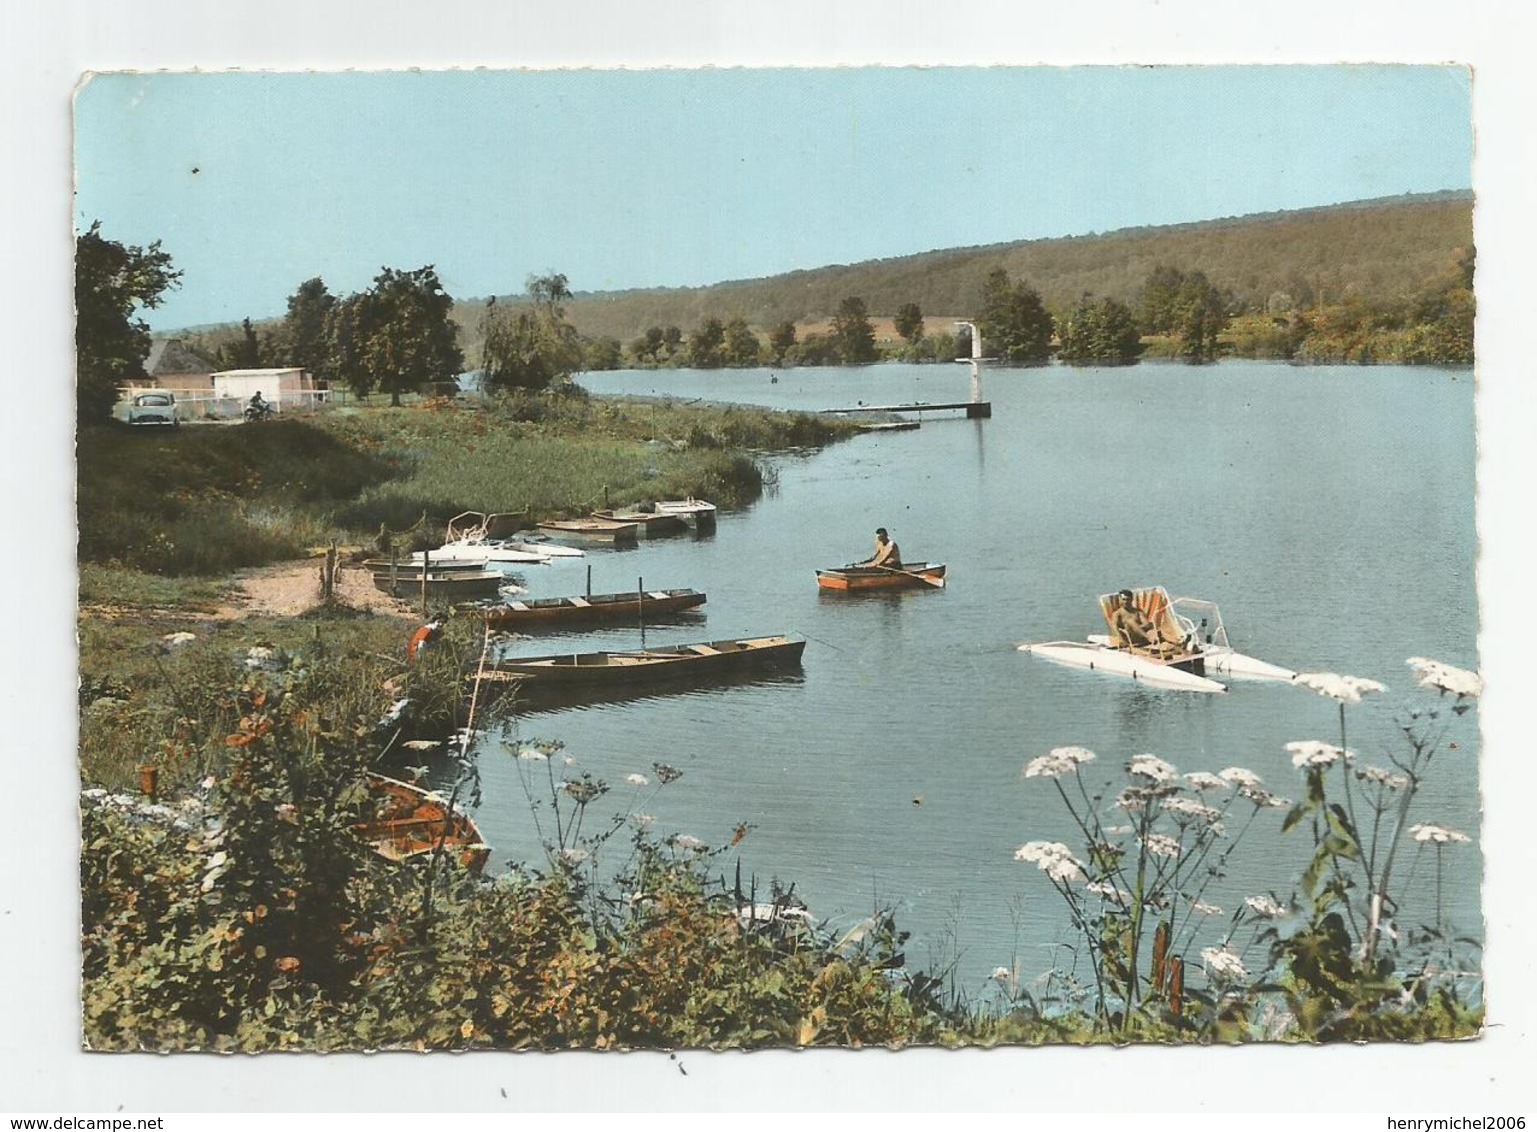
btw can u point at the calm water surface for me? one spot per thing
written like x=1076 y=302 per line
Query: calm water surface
x=1329 y=511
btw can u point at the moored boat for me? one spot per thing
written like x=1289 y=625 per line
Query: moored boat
x=701 y=661
x=697 y=513
x=633 y=606
x=920 y=575
x=446 y=583
x=603 y=531
x=412 y=824
x=648 y=524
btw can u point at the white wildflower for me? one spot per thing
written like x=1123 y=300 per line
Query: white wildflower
x=533 y=754
x=1150 y=766
x=1052 y=858
x=1060 y=761
x=1192 y=808
x=688 y=841
x=1313 y=752
x=1135 y=799
x=1238 y=776
x=641 y=821
x=1223 y=964
x=1437 y=833
x=1345 y=689
x=1444 y=678
x=1002 y=975
x=1264 y=906
x=1204 y=908
x=637 y=780
x=1383 y=777
x=1264 y=799
x=574 y=856
x=1161 y=845
x=1204 y=780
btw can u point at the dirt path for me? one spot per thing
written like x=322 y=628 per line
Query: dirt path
x=290 y=588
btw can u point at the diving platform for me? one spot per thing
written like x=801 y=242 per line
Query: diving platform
x=975 y=410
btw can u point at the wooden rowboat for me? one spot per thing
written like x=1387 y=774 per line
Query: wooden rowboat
x=697 y=513
x=648 y=524
x=604 y=531
x=412 y=823
x=448 y=584
x=702 y=661
x=634 y=606
x=920 y=575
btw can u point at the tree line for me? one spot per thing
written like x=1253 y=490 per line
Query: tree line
x=400 y=335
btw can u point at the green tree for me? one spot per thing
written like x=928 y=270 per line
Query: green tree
x=672 y=341
x=411 y=338
x=1202 y=313
x=304 y=327
x=852 y=332
x=648 y=346
x=909 y=323
x=1014 y=323
x=245 y=352
x=601 y=353
x=1100 y=332
x=112 y=281
x=346 y=327
x=1159 y=300
x=704 y=345
x=742 y=347
x=533 y=346
x=781 y=341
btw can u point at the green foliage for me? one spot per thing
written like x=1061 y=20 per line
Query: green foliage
x=1100 y=332
x=741 y=346
x=302 y=339
x=704 y=345
x=112 y=282
x=1013 y=322
x=909 y=323
x=852 y=334
x=1186 y=306
x=534 y=346
x=409 y=339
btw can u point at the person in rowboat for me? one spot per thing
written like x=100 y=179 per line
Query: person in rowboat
x=886 y=553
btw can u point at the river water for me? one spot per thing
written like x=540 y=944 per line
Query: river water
x=1327 y=510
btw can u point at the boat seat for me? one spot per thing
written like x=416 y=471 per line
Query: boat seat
x=518 y=605
x=703 y=650
x=581 y=603
x=660 y=595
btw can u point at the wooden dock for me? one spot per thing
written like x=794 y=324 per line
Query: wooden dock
x=975 y=410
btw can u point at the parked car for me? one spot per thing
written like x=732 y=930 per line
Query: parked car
x=157 y=408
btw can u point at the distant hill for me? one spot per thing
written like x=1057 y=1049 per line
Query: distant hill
x=1377 y=250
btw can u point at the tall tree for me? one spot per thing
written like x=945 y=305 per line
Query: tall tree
x=704 y=345
x=347 y=326
x=1202 y=314
x=1014 y=323
x=909 y=323
x=781 y=341
x=646 y=347
x=672 y=341
x=112 y=281
x=1100 y=332
x=410 y=338
x=741 y=346
x=852 y=332
x=304 y=327
x=534 y=346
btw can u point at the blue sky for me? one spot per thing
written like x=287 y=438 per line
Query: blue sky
x=255 y=182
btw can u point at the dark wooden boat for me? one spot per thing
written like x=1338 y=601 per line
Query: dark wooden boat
x=411 y=824
x=445 y=584
x=633 y=606
x=406 y=567
x=702 y=661
x=604 y=531
x=920 y=575
x=649 y=524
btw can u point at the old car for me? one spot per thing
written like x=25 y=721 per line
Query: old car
x=154 y=408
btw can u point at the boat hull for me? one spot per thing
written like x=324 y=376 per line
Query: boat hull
x=1119 y=662
x=595 y=531
x=686 y=662
x=696 y=513
x=634 y=606
x=451 y=584
x=917 y=575
x=648 y=524
x=1226 y=662
x=413 y=823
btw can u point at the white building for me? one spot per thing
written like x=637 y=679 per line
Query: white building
x=288 y=387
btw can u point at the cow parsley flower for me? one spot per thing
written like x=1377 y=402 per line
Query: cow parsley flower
x=1223 y=964
x=1105 y=888
x=1061 y=760
x=1437 y=833
x=1204 y=908
x=1161 y=845
x=1345 y=689
x=1052 y=858
x=1382 y=777
x=1264 y=906
x=1191 y=808
x=687 y=841
x=1313 y=752
x=1152 y=767
x=1238 y=776
x=637 y=780
x=1444 y=678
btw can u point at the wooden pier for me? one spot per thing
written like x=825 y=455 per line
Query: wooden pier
x=975 y=410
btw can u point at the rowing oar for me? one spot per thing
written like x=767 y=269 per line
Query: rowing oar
x=937 y=583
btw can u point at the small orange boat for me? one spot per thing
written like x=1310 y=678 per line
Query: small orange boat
x=909 y=576
x=412 y=823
